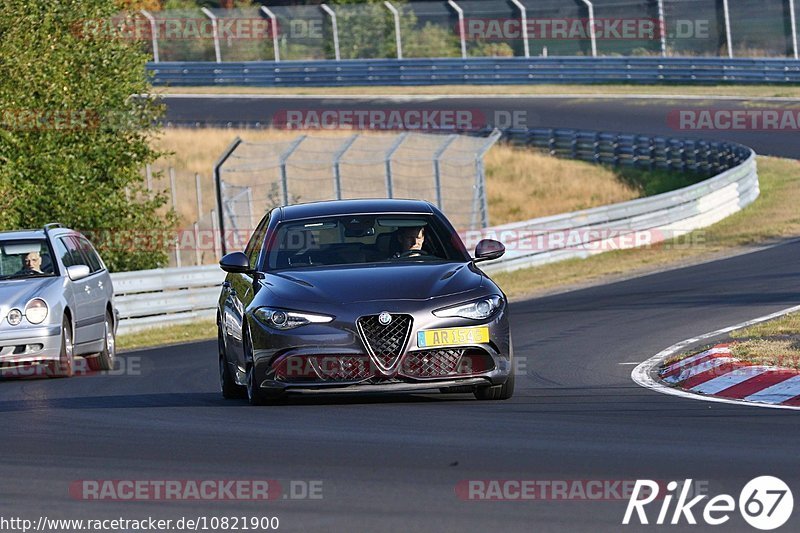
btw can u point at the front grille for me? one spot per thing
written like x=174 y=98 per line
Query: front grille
x=385 y=343
x=431 y=363
x=343 y=367
x=445 y=363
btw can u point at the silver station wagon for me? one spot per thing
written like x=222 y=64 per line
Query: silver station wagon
x=56 y=303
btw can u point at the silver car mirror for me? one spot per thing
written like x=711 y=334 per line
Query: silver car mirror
x=78 y=272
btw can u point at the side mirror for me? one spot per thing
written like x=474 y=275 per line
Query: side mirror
x=78 y=272
x=489 y=249
x=235 y=263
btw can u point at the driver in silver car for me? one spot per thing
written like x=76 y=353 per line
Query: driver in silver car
x=31 y=264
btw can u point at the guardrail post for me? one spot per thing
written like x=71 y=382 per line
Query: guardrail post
x=461 y=27
x=337 y=175
x=282 y=162
x=523 y=12
x=389 y=155
x=592 y=30
x=437 y=170
x=173 y=193
x=662 y=28
x=218 y=187
x=153 y=32
x=335 y=27
x=274 y=25
x=215 y=30
x=397 y=36
x=793 y=24
x=728 y=38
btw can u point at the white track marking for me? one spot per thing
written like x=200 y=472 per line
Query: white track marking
x=780 y=392
x=726 y=381
x=641 y=375
x=689 y=360
x=699 y=369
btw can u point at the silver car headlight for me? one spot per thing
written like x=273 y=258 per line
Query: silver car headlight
x=478 y=309
x=36 y=311
x=283 y=319
x=14 y=317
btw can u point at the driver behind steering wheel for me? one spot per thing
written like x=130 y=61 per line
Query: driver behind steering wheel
x=411 y=240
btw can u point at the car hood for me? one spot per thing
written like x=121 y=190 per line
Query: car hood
x=374 y=282
x=17 y=292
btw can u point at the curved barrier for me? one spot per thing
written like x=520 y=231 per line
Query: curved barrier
x=178 y=295
x=486 y=71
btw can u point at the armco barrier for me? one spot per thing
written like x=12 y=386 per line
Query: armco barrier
x=169 y=296
x=493 y=71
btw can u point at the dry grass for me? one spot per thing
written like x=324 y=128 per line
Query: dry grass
x=773 y=216
x=594 y=90
x=783 y=353
x=786 y=325
x=521 y=184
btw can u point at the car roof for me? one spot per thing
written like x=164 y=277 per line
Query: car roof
x=354 y=207
x=34 y=233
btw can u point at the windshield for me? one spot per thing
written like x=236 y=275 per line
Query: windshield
x=358 y=239
x=25 y=259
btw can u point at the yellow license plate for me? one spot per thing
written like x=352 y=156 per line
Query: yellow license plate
x=452 y=336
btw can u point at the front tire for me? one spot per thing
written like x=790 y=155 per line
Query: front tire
x=65 y=366
x=227 y=385
x=105 y=359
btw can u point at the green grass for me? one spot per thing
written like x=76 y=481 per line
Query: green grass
x=786 y=325
x=750 y=91
x=179 y=334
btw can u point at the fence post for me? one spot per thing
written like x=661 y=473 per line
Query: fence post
x=219 y=240
x=173 y=193
x=282 y=161
x=481 y=200
x=388 y=160
x=662 y=28
x=199 y=191
x=154 y=33
x=793 y=25
x=397 y=37
x=218 y=186
x=198 y=259
x=592 y=30
x=335 y=27
x=461 y=27
x=337 y=156
x=274 y=25
x=524 y=20
x=215 y=31
x=728 y=37
x=437 y=171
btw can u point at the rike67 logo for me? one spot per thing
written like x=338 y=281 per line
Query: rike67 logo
x=765 y=503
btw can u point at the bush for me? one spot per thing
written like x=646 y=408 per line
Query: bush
x=74 y=140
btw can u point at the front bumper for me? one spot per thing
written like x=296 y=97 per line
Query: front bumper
x=30 y=345
x=334 y=358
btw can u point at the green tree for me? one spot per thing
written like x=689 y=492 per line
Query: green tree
x=74 y=137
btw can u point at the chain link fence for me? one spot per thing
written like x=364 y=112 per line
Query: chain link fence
x=446 y=170
x=473 y=28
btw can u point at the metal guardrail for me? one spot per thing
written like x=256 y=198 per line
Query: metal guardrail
x=170 y=296
x=494 y=71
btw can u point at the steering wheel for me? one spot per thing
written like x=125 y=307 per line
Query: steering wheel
x=412 y=253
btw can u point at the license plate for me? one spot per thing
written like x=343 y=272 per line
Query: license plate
x=452 y=336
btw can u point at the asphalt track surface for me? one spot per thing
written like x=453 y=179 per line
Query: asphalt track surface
x=393 y=463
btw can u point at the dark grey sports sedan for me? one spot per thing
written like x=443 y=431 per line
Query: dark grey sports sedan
x=361 y=296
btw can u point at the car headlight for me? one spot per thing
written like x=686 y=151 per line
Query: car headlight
x=479 y=309
x=36 y=311
x=283 y=319
x=14 y=317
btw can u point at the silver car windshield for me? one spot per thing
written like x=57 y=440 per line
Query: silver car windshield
x=348 y=240
x=28 y=258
